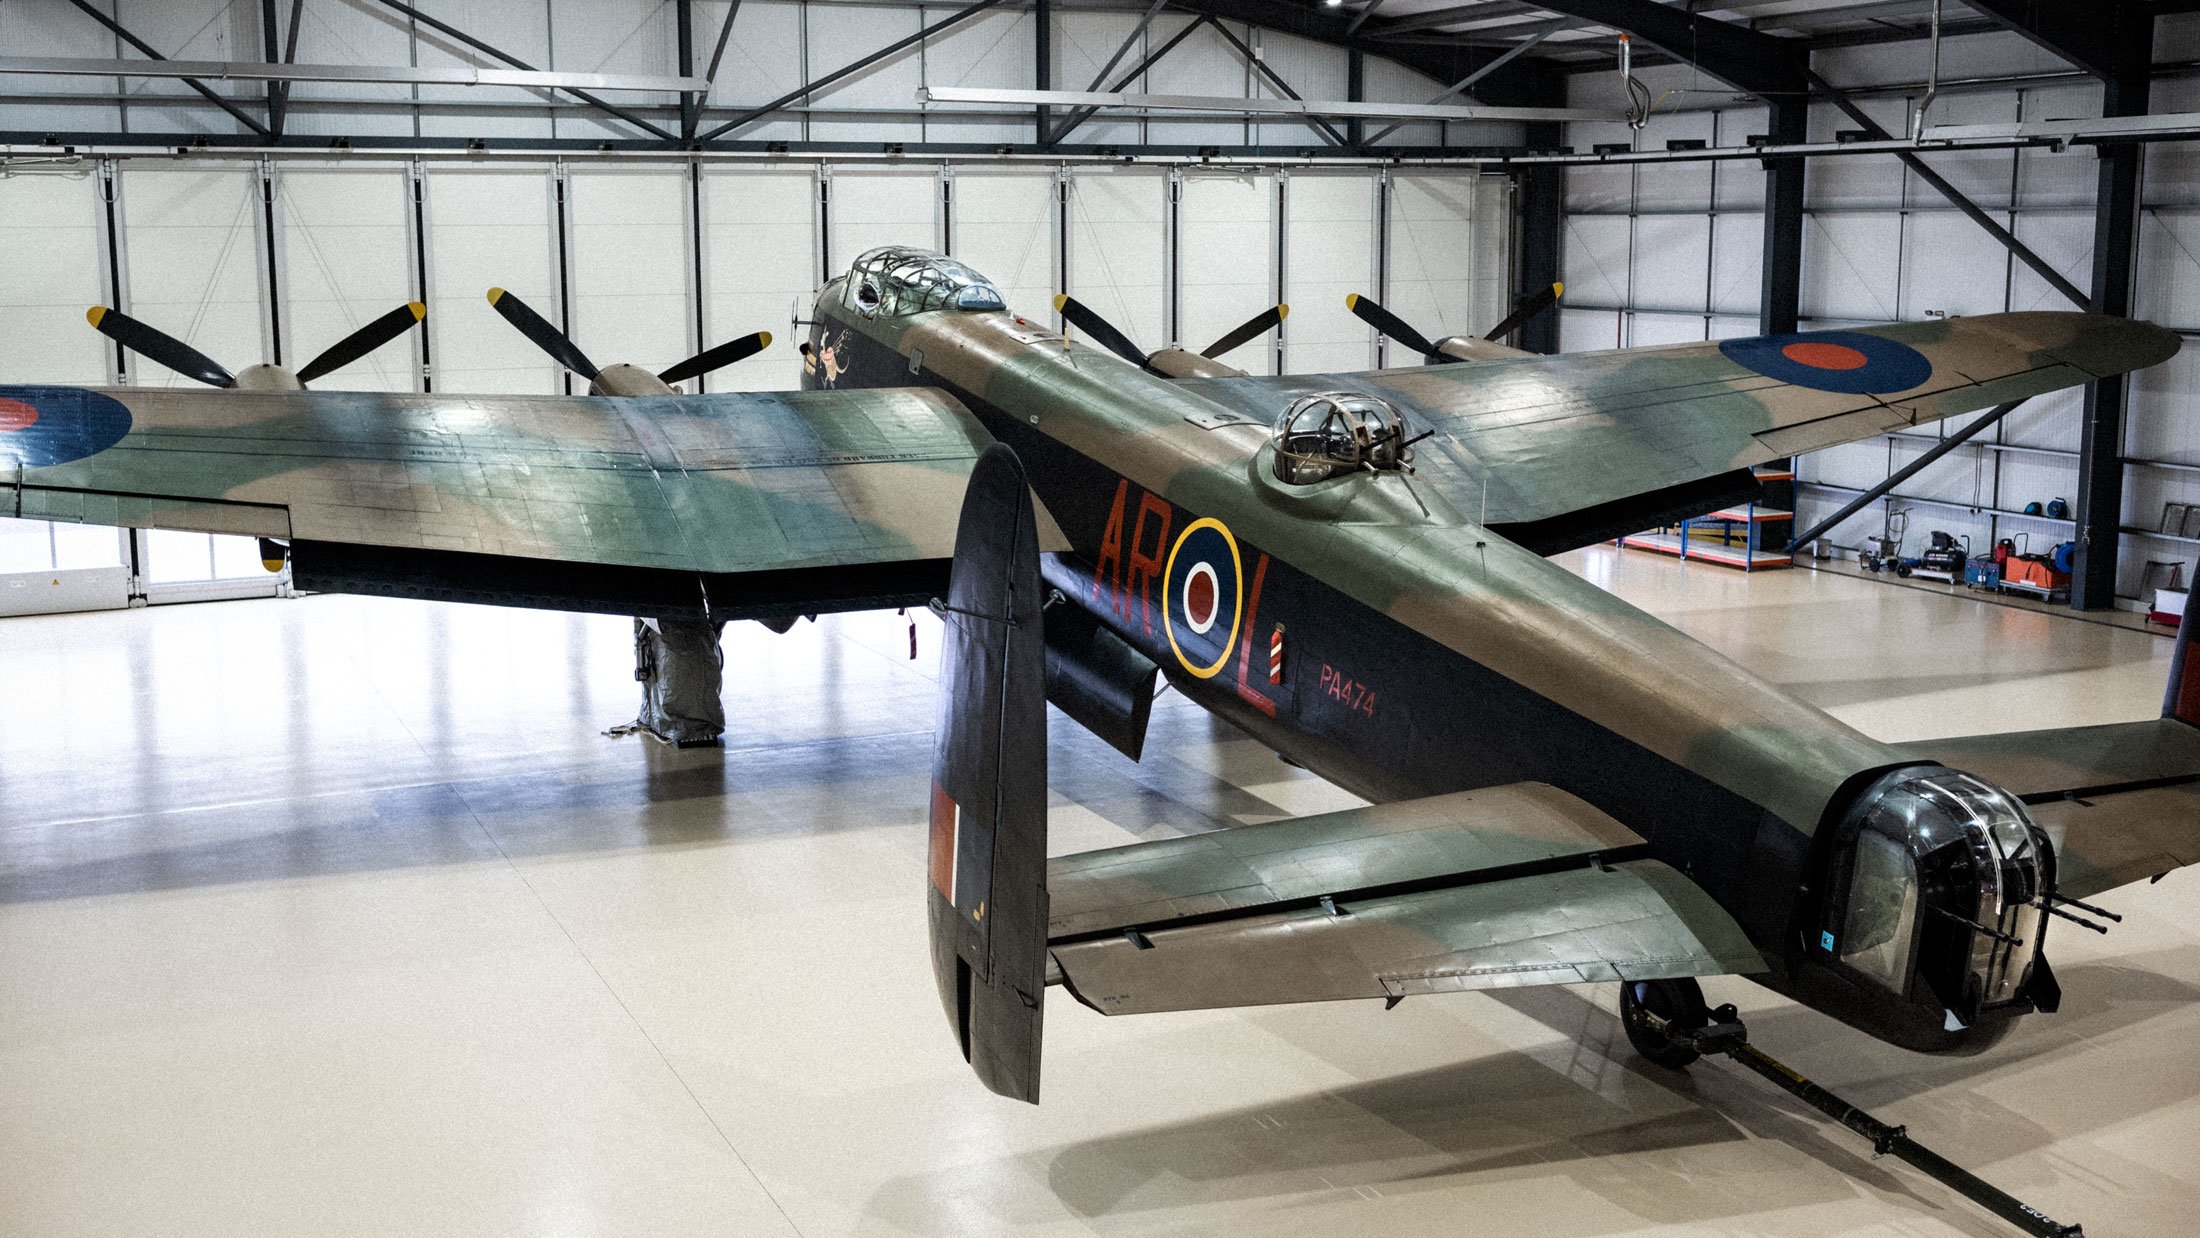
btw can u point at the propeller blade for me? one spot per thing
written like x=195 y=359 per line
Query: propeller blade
x=363 y=341
x=1366 y=310
x=1100 y=329
x=158 y=346
x=718 y=358
x=1265 y=321
x=546 y=337
x=1528 y=308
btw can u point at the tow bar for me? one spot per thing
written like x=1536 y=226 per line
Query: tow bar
x=1726 y=1037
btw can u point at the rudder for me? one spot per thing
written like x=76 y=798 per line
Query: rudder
x=987 y=857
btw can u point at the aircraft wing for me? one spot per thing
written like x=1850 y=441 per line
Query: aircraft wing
x=2120 y=802
x=1580 y=447
x=1500 y=887
x=803 y=501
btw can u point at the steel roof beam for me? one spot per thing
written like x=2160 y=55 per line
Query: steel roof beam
x=848 y=70
x=147 y=50
x=450 y=31
x=1758 y=64
x=2095 y=37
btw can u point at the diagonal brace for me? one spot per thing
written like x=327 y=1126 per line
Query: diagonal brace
x=192 y=82
x=450 y=31
x=849 y=70
x=2024 y=253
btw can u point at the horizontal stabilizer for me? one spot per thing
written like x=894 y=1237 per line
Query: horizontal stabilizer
x=1506 y=886
x=2121 y=803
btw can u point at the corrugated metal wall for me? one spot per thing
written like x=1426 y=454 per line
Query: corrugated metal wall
x=1661 y=253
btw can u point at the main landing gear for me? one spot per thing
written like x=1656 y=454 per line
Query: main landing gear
x=1669 y=1024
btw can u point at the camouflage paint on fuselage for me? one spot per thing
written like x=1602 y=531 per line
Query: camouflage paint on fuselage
x=1422 y=654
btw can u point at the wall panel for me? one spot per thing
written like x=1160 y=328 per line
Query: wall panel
x=196 y=266
x=1329 y=229
x=490 y=227
x=869 y=208
x=55 y=269
x=631 y=265
x=760 y=263
x=1227 y=264
x=1118 y=248
x=1004 y=226
x=347 y=259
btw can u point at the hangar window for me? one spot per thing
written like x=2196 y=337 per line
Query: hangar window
x=898 y=279
x=1338 y=432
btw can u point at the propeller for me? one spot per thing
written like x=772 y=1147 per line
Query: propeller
x=1104 y=333
x=546 y=337
x=363 y=341
x=1259 y=324
x=158 y=345
x=718 y=358
x=568 y=354
x=1366 y=310
x=1100 y=329
x=1529 y=307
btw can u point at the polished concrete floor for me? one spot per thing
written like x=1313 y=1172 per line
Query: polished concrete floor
x=340 y=916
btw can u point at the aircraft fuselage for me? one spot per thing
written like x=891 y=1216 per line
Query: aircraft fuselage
x=1347 y=631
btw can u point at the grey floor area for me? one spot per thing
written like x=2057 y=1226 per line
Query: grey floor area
x=341 y=916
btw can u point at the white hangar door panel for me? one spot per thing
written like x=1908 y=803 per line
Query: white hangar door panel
x=1118 y=249
x=630 y=265
x=345 y=238
x=50 y=231
x=760 y=268
x=1448 y=249
x=864 y=210
x=490 y=228
x=194 y=261
x=1329 y=248
x=194 y=244
x=1226 y=262
x=1003 y=226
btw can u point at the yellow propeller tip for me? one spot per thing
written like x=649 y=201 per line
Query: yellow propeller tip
x=765 y=336
x=1060 y=299
x=420 y=310
x=1352 y=300
x=94 y=314
x=495 y=295
x=1283 y=311
x=1558 y=289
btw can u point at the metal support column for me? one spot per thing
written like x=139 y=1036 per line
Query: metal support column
x=2100 y=506
x=1779 y=300
x=1540 y=197
x=1042 y=48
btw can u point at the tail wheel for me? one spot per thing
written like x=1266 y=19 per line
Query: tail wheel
x=1678 y=1002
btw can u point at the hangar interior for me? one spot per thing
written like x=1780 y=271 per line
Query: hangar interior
x=343 y=915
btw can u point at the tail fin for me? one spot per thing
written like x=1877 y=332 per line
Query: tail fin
x=2181 y=699
x=988 y=897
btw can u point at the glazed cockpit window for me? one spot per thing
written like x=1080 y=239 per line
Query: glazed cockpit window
x=899 y=279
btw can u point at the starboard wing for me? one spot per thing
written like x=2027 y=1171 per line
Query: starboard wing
x=801 y=499
x=1555 y=452
x=1495 y=888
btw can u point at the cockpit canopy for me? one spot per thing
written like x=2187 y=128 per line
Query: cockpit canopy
x=1338 y=432
x=899 y=279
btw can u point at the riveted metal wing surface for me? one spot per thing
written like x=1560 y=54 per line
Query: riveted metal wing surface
x=577 y=502
x=1536 y=446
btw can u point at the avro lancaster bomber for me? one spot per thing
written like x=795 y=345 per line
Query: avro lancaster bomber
x=1351 y=567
